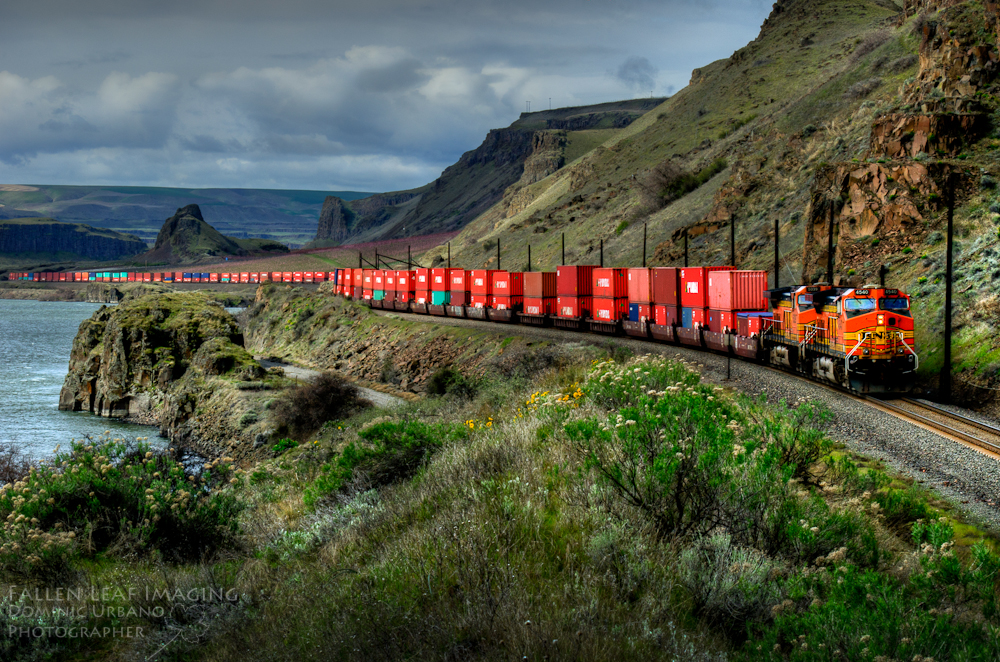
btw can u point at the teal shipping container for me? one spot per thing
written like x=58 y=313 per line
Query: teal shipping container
x=378 y=295
x=440 y=298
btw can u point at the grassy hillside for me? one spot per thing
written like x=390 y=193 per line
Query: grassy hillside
x=551 y=503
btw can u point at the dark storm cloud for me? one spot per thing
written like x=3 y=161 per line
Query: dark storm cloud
x=638 y=73
x=377 y=95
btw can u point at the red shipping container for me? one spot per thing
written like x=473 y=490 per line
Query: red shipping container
x=319 y=276
x=721 y=321
x=694 y=285
x=254 y=277
x=507 y=303
x=644 y=310
x=737 y=290
x=405 y=281
x=459 y=298
x=390 y=281
x=753 y=325
x=575 y=281
x=264 y=276
x=699 y=317
x=540 y=305
x=640 y=285
x=459 y=282
x=178 y=276
x=422 y=279
x=440 y=279
x=307 y=276
x=348 y=279
x=147 y=278
x=244 y=276
x=610 y=283
x=422 y=296
x=404 y=297
x=609 y=309
x=540 y=284
x=378 y=279
x=479 y=300
x=296 y=276
x=508 y=283
x=482 y=281
x=287 y=277
x=573 y=306
x=367 y=279
x=666 y=315
x=366 y=294
x=157 y=277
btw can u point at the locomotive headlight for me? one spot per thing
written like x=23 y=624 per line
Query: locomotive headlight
x=881 y=319
x=867 y=351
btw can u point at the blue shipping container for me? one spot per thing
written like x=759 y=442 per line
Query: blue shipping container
x=686 y=318
x=205 y=277
x=633 y=312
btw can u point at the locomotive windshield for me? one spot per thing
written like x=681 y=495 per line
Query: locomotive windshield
x=897 y=305
x=855 y=307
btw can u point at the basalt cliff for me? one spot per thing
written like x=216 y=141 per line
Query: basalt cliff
x=172 y=360
x=41 y=238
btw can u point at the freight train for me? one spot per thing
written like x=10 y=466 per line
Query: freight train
x=860 y=339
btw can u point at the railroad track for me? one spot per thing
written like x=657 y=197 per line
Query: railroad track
x=969 y=431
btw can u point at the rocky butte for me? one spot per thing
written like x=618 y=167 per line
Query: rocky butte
x=172 y=360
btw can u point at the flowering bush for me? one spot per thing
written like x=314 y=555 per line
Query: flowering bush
x=109 y=492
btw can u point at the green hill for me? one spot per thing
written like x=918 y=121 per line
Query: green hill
x=186 y=238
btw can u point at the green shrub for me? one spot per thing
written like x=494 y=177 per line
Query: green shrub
x=448 y=381
x=114 y=494
x=392 y=450
x=284 y=445
x=907 y=250
x=621 y=227
x=301 y=411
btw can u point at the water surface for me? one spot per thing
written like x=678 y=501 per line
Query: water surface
x=35 y=342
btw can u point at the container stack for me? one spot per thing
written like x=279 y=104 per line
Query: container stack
x=610 y=295
x=405 y=284
x=367 y=284
x=458 y=287
x=422 y=286
x=732 y=292
x=694 y=295
x=440 y=286
x=358 y=283
x=378 y=284
x=640 y=295
x=508 y=290
x=482 y=288
x=390 y=286
x=574 y=291
x=539 y=292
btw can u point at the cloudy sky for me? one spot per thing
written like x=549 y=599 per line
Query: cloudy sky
x=326 y=95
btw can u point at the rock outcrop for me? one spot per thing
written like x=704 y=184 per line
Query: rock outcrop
x=186 y=238
x=163 y=359
x=335 y=220
x=47 y=236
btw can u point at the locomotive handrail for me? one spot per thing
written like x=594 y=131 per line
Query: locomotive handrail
x=809 y=335
x=847 y=358
x=916 y=359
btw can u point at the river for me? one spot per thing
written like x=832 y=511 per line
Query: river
x=35 y=341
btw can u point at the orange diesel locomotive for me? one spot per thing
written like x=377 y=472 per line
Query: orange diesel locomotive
x=861 y=339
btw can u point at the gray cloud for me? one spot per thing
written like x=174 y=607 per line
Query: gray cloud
x=638 y=73
x=318 y=94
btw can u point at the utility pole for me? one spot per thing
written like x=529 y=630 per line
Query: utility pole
x=946 y=368
x=602 y=253
x=563 y=248
x=881 y=275
x=529 y=257
x=732 y=240
x=643 y=244
x=685 y=247
x=829 y=247
x=409 y=261
x=776 y=253
x=498 y=253
x=449 y=255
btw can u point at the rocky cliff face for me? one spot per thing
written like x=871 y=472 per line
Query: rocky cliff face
x=48 y=236
x=162 y=359
x=334 y=220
